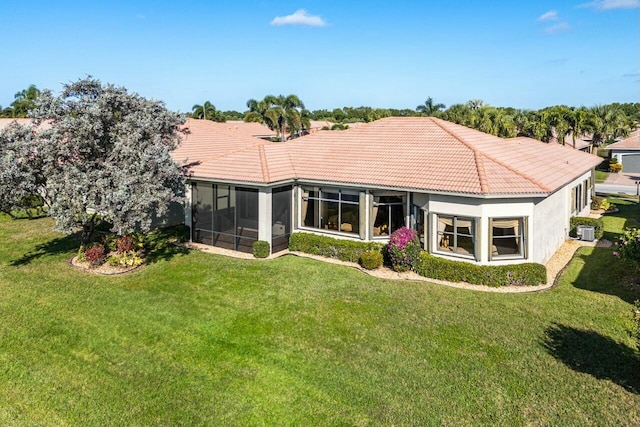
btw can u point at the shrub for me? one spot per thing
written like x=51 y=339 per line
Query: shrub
x=261 y=249
x=95 y=255
x=371 y=259
x=345 y=250
x=598 y=203
x=125 y=259
x=124 y=244
x=403 y=249
x=596 y=223
x=81 y=257
x=615 y=167
x=628 y=247
x=528 y=274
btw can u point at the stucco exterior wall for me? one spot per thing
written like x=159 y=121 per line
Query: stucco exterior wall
x=551 y=220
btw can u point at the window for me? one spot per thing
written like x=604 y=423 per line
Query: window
x=580 y=196
x=456 y=235
x=388 y=214
x=507 y=237
x=417 y=222
x=331 y=209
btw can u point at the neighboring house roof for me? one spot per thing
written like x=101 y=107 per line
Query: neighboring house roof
x=582 y=141
x=422 y=153
x=4 y=122
x=632 y=142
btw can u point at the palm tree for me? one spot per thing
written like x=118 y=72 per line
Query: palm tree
x=279 y=113
x=606 y=124
x=578 y=122
x=207 y=111
x=25 y=101
x=429 y=108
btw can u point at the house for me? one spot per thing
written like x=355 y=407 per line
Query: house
x=627 y=151
x=471 y=196
x=583 y=142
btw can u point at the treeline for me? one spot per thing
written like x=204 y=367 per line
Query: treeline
x=602 y=123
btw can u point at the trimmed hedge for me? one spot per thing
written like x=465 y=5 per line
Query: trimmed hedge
x=575 y=221
x=261 y=249
x=344 y=250
x=528 y=274
x=371 y=260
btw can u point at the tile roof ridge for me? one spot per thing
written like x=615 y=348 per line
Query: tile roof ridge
x=263 y=163
x=491 y=158
x=482 y=177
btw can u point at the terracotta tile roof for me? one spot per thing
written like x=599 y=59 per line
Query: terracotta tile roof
x=4 y=122
x=632 y=142
x=410 y=153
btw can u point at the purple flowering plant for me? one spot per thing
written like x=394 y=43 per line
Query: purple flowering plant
x=404 y=249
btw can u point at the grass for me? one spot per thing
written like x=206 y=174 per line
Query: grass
x=198 y=339
x=601 y=176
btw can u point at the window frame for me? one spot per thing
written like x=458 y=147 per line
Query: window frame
x=440 y=234
x=321 y=199
x=523 y=225
x=403 y=206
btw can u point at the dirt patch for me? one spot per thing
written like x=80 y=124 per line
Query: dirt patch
x=104 y=269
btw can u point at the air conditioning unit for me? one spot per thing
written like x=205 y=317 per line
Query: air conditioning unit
x=586 y=233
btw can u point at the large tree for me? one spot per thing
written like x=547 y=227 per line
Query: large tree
x=21 y=170
x=103 y=154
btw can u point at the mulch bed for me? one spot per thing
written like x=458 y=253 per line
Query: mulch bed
x=104 y=269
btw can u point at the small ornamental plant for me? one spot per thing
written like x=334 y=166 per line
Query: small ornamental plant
x=261 y=249
x=95 y=255
x=125 y=244
x=404 y=250
x=628 y=247
x=371 y=260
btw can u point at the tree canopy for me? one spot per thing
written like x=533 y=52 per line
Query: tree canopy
x=24 y=101
x=280 y=113
x=100 y=154
x=207 y=111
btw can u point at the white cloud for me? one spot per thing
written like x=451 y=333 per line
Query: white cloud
x=557 y=28
x=611 y=4
x=299 y=17
x=552 y=15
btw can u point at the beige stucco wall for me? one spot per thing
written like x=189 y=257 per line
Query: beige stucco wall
x=551 y=220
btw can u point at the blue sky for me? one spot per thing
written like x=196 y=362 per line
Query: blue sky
x=524 y=54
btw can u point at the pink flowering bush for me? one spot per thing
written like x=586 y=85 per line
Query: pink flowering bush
x=629 y=246
x=404 y=249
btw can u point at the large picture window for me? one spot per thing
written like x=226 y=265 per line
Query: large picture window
x=388 y=214
x=456 y=235
x=508 y=237
x=331 y=209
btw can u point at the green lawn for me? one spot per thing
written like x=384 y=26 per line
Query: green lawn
x=601 y=176
x=198 y=339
